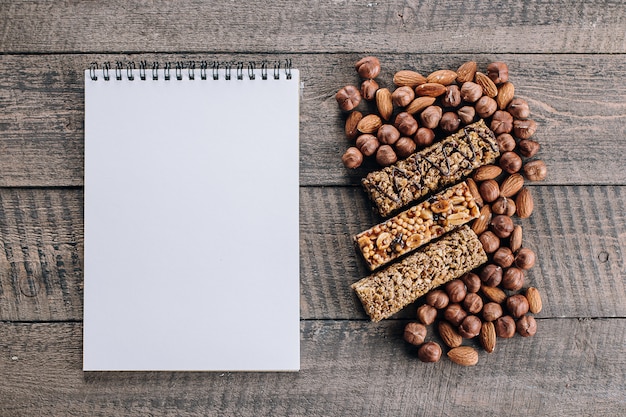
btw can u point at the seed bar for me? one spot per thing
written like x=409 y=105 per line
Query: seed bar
x=431 y=169
x=386 y=292
x=417 y=226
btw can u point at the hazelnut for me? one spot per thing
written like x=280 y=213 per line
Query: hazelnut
x=518 y=108
x=471 y=92
x=502 y=226
x=525 y=258
x=526 y=326
x=517 y=305
x=368 y=89
x=403 y=96
x=429 y=352
x=492 y=311
x=352 y=122
x=424 y=136
x=535 y=170
x=498 y=72
x=385 y=155
x=438 y=299
x=449 y=122
x=456 y=290
x=473 y=303
x=503 y=257
x=452 y=97
x=404 y=147
x=505 y=327
x=490 y=241
x=491 y=275
x=472 y=282
x=388 y=134
x=513 y=279
x=406 y=124
x=431 y=116
x=470 y=327
x=454 y=313
x=503 y=205
x=415 y=333
x=524 y=129
x=510 y=162
x=489 y=190
x=505 y=142
x=528 y=147
x=486 y=106
x=352 y=158
x=466 y=114
x=368 y=67
x=367 y=144
x=502 y=122
x=348 y=97
x=426 y=314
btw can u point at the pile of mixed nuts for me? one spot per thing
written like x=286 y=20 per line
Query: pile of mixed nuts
x=387 y=124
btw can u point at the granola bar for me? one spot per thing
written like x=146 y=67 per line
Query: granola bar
x=431 y=169
x=417 y=226
x=388 y=291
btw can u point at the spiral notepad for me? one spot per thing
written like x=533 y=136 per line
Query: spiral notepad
x=191 y=217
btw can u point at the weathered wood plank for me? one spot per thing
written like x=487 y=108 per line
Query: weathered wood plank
x=571 y=367
x=41 y=254
x=396 y=26
x=580 y=270
x=577 y=100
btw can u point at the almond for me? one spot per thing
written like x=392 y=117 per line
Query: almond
x=515 y=240
x=534 y=300
x=488 y=86
x=369 y=124
x=410 y=78
x=506 y=91
x=466 y=72
x=419 y=104
x=351 y=123
x=384 y=103
x=445 y=77
x=487 y=172
x=473 y=189
x=464 y=355
x=494 y=294
x=430 y=90
x=511 y=185
x=524 y=203
x=487 y=336
x=482 y=222
x=449 y=336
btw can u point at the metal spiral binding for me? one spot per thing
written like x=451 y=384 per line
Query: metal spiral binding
x=180 y=66
x=203 y=67
x=240 y=70
x=142 y=70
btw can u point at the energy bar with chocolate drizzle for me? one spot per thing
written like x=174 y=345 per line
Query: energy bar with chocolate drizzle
x=417 y=226
x=440 y=165
x=389 y=290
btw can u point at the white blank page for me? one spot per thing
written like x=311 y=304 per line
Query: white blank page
x=191 y=223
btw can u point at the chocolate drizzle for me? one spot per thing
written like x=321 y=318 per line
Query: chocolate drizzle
x=414 y=179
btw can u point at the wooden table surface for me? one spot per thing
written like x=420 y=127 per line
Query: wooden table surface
x=566 y=58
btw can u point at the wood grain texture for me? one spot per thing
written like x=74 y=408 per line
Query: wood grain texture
x=398 y=26
x=580 y=270
x=570 y=367
x=578 y=102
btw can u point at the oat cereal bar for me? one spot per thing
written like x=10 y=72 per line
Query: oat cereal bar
x=432 y=168
x=417 y=226
x=386 y=292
